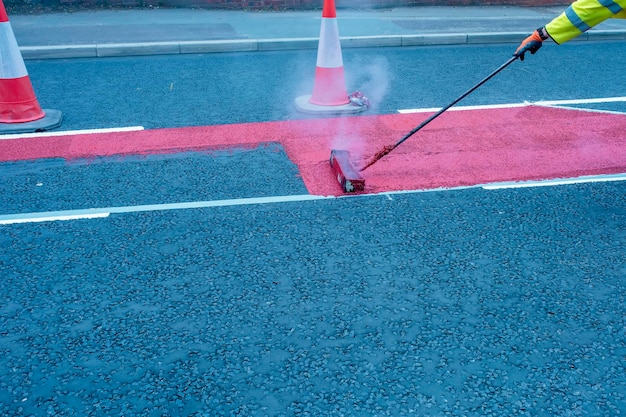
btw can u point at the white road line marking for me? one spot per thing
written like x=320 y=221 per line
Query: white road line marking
x=217 y=203
x=461 y=108
x=71 y=132
x=41 y=217
x=555 y=182
x=95 y=213
x=106 y=211
x=581 y=101
x=524 y=104
x=583 y=109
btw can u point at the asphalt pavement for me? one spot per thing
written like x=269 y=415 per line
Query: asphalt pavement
x=202 y=292
x=104 y=33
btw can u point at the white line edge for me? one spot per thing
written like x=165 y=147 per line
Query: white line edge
x=547 y=103
x=43 y=218
x=97 y=213
x=71 y=132
x=555 y=182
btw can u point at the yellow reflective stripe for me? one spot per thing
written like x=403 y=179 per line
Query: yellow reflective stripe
x=588 y=13
x=561 y=29
x=611 y=5
x=581 y=16
x=578 y=23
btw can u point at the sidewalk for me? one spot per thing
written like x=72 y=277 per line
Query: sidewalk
x=105 y=33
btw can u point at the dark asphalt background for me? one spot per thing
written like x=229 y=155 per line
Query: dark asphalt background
x=56 y=184
x=446 y=303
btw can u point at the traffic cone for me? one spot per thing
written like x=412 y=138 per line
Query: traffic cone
x=19 y=110
x=329 y=88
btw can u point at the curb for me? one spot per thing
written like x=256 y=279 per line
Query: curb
x=261 y=45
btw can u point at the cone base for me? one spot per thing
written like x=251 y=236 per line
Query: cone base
x=51 y=120
x=303 y=105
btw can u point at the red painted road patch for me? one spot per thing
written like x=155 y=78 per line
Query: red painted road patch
x=460 y=148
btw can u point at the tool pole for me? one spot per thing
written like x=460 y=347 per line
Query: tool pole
x=390 y=148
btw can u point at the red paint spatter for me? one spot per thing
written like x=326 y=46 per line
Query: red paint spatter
x=459 y=148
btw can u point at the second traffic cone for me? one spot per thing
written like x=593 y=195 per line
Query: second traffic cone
x=329 y=88
x=19 y=109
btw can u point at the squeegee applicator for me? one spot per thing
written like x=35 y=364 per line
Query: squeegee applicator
x=348 y=177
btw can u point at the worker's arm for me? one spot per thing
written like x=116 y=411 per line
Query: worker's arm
x=579 y=17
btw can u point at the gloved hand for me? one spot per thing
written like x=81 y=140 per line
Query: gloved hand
x=530 y=44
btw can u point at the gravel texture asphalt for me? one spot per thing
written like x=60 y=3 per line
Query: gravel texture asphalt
x=470 y=302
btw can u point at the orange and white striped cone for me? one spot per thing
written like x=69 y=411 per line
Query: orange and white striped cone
x=329 y=88
x=19 y=110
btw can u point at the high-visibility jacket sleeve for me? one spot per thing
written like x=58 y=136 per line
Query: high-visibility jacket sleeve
x=582 y=15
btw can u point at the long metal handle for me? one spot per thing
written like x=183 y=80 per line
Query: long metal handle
x=388 y=149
